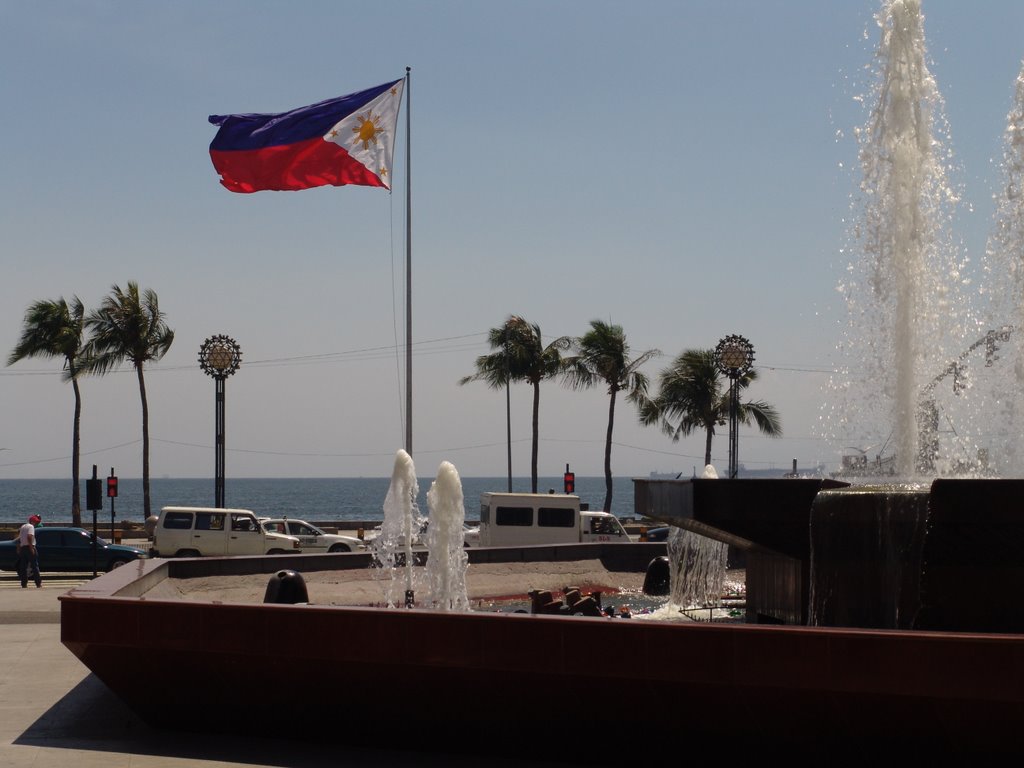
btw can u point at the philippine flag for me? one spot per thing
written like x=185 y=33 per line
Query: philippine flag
x=347 y=140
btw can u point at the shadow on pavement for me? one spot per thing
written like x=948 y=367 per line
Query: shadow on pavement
x=90 y=717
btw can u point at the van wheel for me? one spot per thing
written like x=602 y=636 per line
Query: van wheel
x=187 y=553
x=276 y=552
x=339 y=548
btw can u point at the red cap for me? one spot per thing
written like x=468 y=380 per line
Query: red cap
x=35 y=519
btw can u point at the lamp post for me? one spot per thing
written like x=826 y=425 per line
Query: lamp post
x=734 y=357
x=220 y=356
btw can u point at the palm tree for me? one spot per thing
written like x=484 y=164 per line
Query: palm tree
x=54 y=329
x=129 y=328
x=693 y=395
x=603 y=356
x=520 y=356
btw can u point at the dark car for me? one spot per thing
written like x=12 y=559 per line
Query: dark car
x=70 y=549
x=658 y=534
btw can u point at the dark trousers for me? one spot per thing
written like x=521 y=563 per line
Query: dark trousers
x=28 y=565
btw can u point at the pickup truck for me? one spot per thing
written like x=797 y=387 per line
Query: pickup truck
x=519 y=519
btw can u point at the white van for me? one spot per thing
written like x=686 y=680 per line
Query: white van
x=208 y=531
x=521 y=519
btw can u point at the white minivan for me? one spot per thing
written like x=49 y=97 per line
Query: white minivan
x=208 y=531
x=522 y=519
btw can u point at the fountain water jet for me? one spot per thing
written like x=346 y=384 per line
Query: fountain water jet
x=447 y=561
x=402 y=521
x=1004 y=290
x=907 y=317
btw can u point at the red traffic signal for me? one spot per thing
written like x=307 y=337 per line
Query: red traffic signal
x=569 y=480
x=112 y=487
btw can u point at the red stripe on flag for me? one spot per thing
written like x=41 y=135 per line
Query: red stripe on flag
x=305 y=164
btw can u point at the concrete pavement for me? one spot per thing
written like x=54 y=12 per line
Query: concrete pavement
x=55 y=714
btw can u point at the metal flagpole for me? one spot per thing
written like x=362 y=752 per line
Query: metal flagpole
x=408 y=261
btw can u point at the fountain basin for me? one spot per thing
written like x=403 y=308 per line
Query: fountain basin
x=944 y=556
x=532 y=685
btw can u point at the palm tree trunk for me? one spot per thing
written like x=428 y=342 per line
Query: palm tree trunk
x=145 y=442
x=707 y=446
x=76 y=454
x=608 y=454
x=536 y=435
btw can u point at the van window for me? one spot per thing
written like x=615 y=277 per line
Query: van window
x=209 y=521
x=605 y=525
x=522 y=516
x=180 y=520
x=243 y=523
x=555 y=517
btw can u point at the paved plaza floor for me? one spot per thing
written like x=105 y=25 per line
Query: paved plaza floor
x=55 y=713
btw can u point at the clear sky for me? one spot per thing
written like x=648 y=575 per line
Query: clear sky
x=682 y=169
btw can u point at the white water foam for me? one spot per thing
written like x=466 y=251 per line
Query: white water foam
x=447 y=562
x=402 y=521
x=908 y=315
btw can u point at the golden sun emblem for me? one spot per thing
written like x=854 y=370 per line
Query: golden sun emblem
x=368 y=130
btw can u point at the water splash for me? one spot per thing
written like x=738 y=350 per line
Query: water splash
x=1004 y=292
x=448 y=561
x=402 y=521
x=697 y=569
x=907 y=314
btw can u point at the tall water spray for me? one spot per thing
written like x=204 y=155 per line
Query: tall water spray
x=446 y=540
x=906 y=315
x=1004 y=286
x=402 y=521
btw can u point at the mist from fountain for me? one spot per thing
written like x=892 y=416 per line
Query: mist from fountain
x=1004 y=291
x=447 y=562
x=402 y=521
x=907 y=316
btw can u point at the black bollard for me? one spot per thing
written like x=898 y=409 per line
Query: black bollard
x=657 y=582
x=286 y=587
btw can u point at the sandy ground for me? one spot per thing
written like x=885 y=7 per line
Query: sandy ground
x=369 y=586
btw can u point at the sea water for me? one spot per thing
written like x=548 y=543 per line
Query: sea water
x=315 y=499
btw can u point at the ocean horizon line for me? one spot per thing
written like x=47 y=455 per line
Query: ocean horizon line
x=309 y=477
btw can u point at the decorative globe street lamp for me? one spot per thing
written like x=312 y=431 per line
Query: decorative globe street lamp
x=220 y=356
x=734 y=357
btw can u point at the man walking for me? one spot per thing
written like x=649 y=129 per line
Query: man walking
x=28 y=557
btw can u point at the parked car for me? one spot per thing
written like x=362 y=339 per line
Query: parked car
x=658 y=534
x=210 y=531
x=471 y=532
x=313 y=539
x=70 y=549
